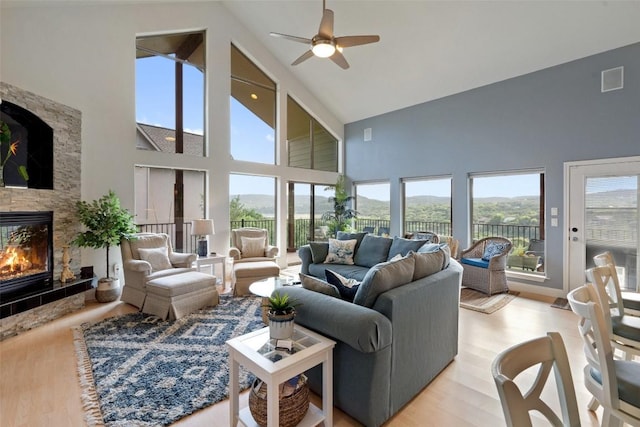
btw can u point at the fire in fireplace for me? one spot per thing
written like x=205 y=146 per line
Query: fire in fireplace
x=26 y=253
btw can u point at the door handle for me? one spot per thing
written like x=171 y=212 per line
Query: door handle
x=575 y=239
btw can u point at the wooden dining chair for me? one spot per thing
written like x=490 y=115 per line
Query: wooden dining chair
x=623 y=329
x=614 y=384
x=630 y=300
x=547 y=353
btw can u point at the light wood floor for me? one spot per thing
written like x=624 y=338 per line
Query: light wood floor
x=39 y=384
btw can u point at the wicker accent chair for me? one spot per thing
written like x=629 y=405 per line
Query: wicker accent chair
x=482 y=273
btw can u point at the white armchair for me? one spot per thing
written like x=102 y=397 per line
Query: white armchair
x=149 y=256
x=251 y=244
x=253 y=258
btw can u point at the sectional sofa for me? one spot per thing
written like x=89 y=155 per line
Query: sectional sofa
x=400 y=332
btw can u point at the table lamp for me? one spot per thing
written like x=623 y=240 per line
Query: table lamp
x=202 y=228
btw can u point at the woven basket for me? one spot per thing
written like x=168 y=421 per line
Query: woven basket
x=292 y=408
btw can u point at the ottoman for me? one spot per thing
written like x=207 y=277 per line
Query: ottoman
x=245 y=273
x=177 y=295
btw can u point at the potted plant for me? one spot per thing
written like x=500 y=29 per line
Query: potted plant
x=106 y=222
x=339 y=218
x=282 y=312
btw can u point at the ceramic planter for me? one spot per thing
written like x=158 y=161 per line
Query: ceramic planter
x=281 y=325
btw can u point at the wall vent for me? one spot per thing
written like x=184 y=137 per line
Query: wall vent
x=612 y=79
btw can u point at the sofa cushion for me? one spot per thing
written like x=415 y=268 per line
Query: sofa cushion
x=252 y=247
x=493 y=249
x=319 y=251
x=340 y=251
x=317 y=285
x=373 y=250
x=343 y=235
x=404 y=246
x=157 y=257
x=383 y=277
x=352 y=271
x=476 y=262
x=346 y=287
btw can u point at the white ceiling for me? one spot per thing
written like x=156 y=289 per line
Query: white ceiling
x=432 y=49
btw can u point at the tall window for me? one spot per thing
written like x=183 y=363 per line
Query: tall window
x=427 y=205
x=252 y=202
x=155 y=207
x=373 y=207
x=170 y=87
x=253 y=111
x=309 y=145
x=512 y=206
x=170 y=93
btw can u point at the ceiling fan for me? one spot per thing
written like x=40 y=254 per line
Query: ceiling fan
x=324 y=44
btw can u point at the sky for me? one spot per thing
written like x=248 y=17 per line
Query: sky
x=253 y=140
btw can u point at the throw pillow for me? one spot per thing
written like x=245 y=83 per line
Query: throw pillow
x=319 y=251
x=373 y=250
x=396 y=257
x=346 y=287
x=402 y=247
x=492 y=249
x=252 y=246
x=383 y=277
x=340 y=251
x=343 y=235
x=428 y=263
x=317 y=285
x=157 y=257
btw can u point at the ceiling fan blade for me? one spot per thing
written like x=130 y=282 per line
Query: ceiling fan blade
x=339 y=59
x=308 y=54
x=349 y=41
x=326 y=25
x=292 y=38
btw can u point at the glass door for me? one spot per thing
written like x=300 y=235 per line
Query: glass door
x=604 y=216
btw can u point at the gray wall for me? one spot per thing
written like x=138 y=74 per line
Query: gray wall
x=538 y=120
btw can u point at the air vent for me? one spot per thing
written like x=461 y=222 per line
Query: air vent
x=612 y=79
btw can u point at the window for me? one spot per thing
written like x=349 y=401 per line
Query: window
x=253 y=111
x=252 y=202
x=170 y=87
x=157 y=197
x=427 y=205
x=309 y=145
x=170 y=93
x=512 y=206
x=372 y=205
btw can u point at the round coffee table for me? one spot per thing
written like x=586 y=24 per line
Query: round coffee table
x=265 y=287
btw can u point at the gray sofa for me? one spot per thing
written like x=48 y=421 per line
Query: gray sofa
x=388 y=349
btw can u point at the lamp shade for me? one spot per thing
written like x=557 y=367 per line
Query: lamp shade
x=202 y=227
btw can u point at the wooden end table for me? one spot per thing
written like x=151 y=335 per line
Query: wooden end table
x=257 y=353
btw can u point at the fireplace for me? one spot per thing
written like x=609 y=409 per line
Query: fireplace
x=26 y=254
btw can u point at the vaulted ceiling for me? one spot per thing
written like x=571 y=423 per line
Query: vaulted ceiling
x=432 y=49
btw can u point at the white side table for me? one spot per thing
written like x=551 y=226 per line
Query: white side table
x=211 y=261
x=257 y=353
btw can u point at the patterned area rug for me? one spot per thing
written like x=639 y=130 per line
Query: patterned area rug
x=138 y=370
x=477 y=301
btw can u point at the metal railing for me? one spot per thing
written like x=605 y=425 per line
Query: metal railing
x=518 y=234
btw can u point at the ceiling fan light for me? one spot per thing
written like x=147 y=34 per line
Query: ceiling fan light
x=323 y=49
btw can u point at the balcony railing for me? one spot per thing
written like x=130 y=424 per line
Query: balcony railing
x=519 y=234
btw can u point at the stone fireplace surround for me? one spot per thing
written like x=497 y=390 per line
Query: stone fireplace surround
x=67 y=145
